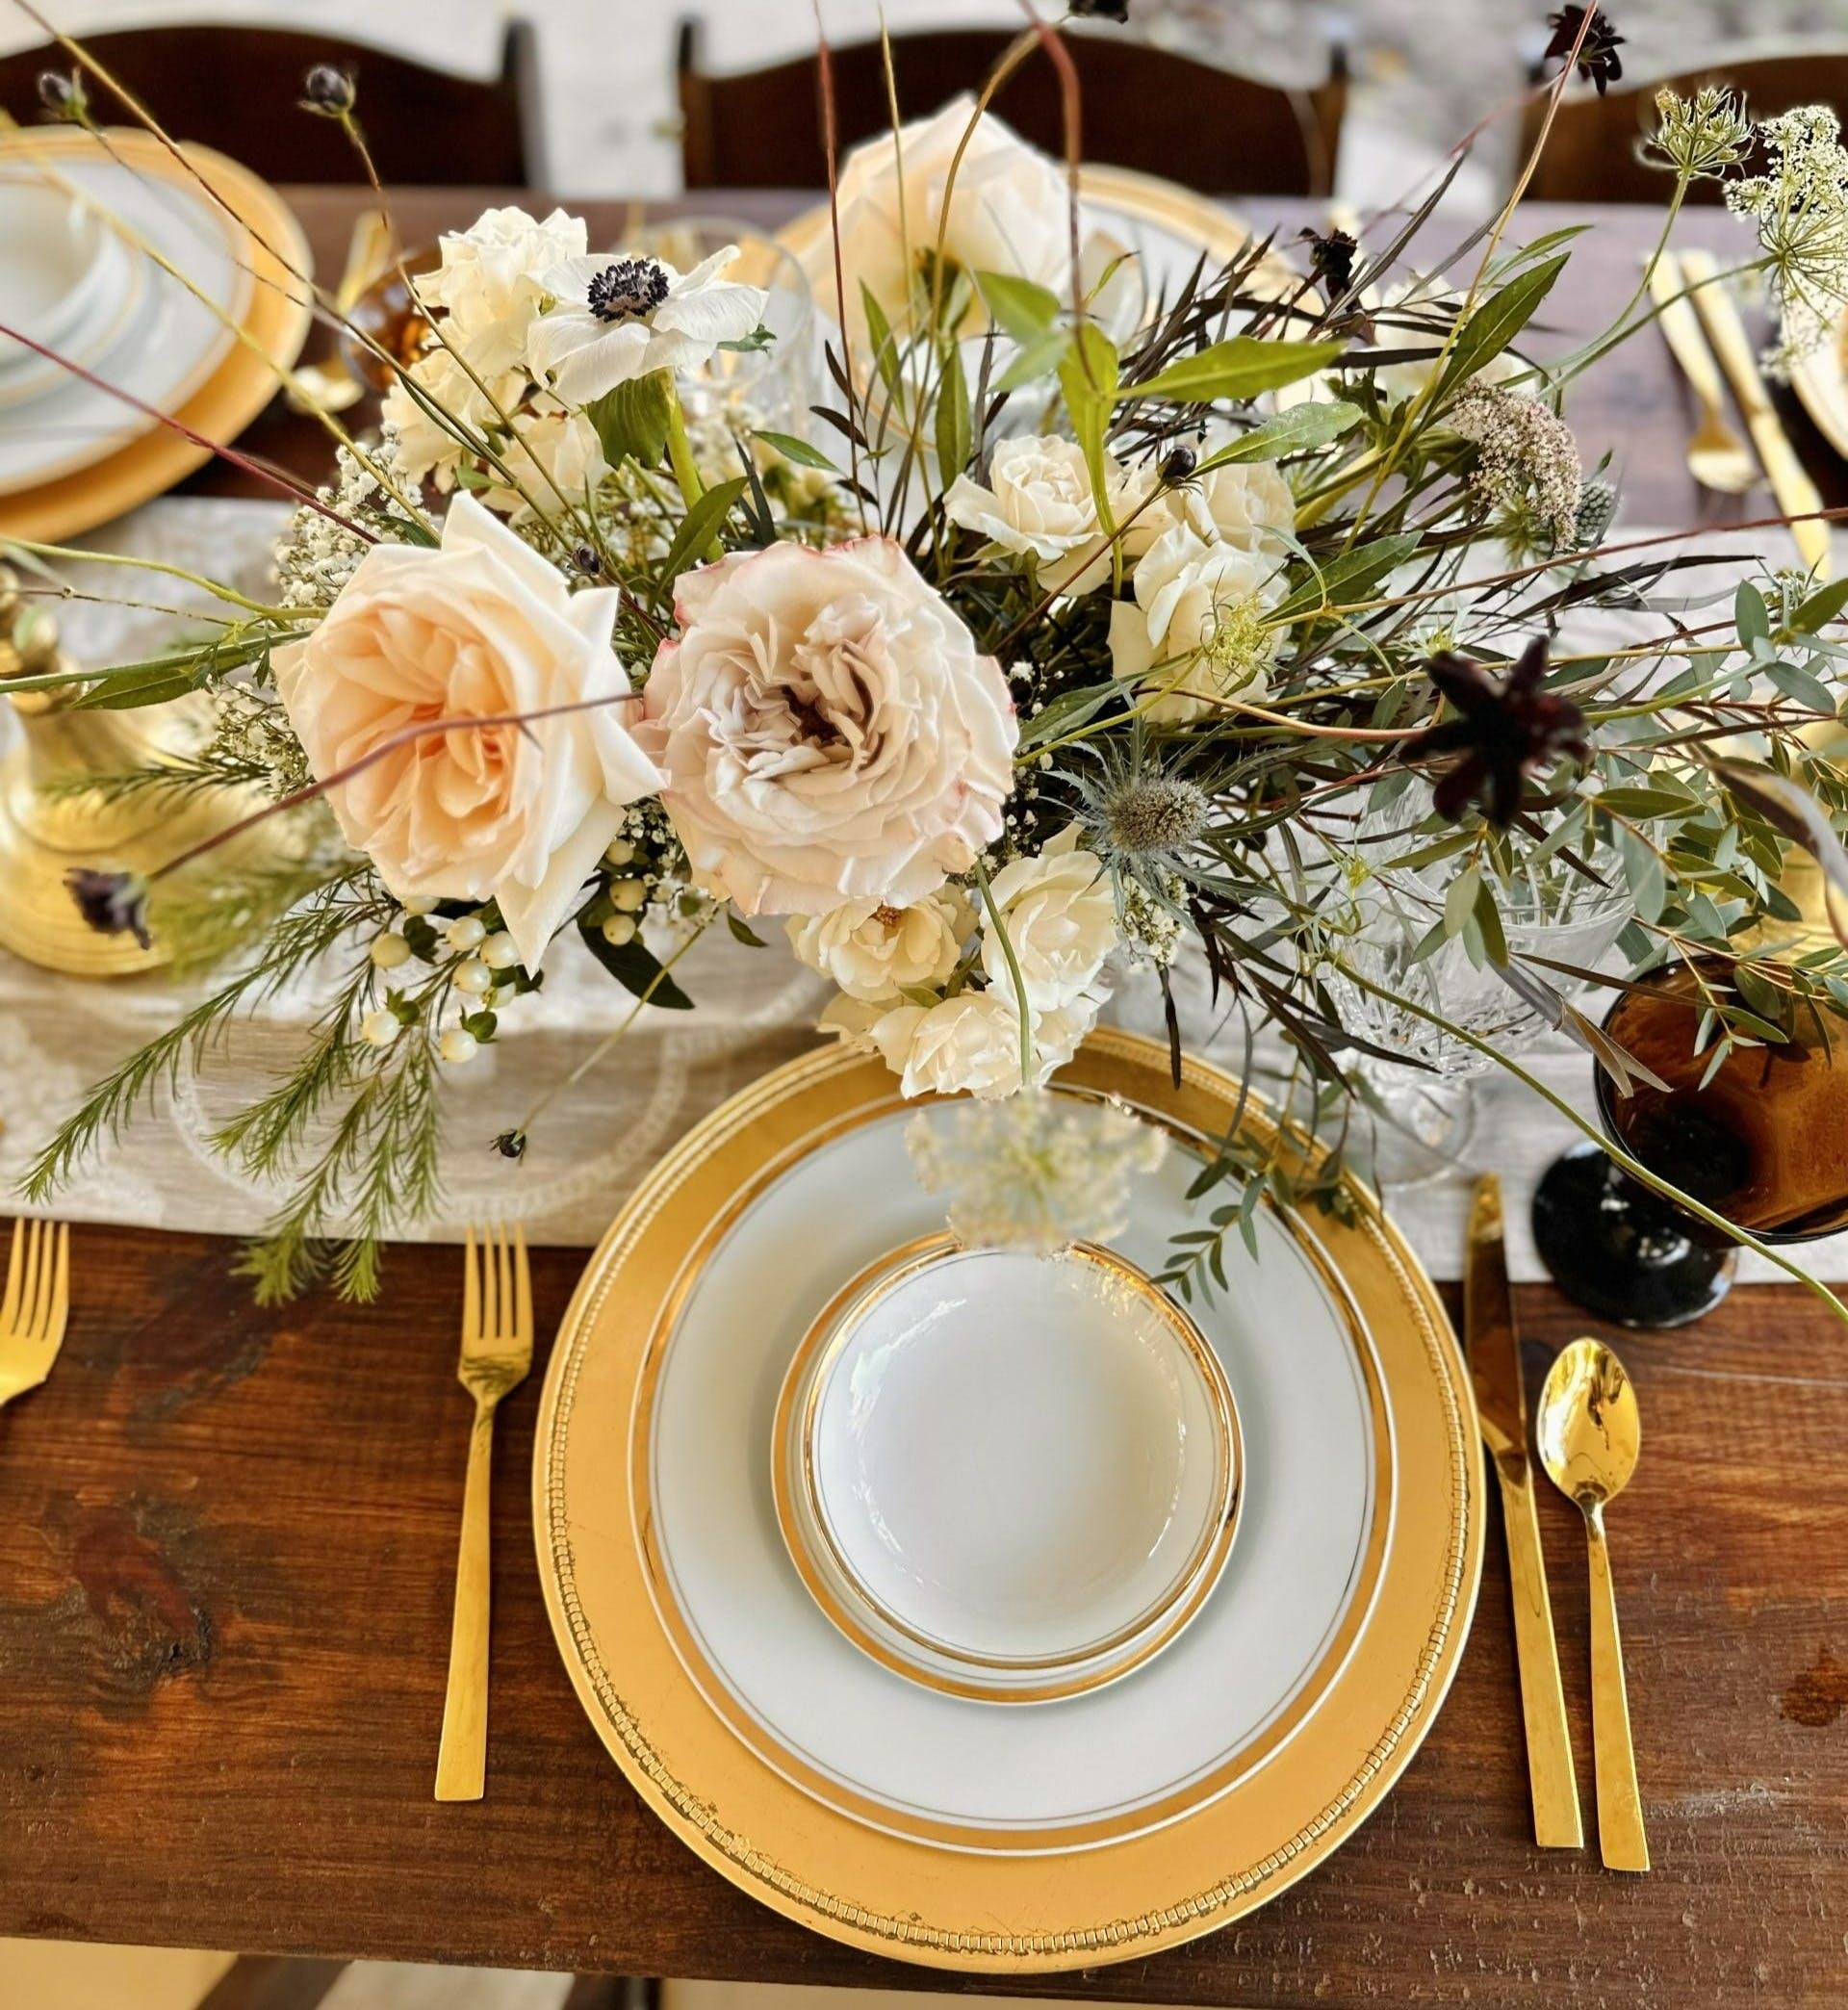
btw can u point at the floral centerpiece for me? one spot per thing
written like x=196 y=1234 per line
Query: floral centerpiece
x=1088 y=629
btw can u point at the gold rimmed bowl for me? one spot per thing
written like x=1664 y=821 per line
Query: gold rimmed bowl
x=1007 y=1476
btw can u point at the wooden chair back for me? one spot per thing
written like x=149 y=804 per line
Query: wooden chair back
x=1591 y=151
x=235 y=88
x=1142 y=107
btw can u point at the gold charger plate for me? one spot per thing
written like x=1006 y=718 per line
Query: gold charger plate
x=939 y=1900
x=273 y=329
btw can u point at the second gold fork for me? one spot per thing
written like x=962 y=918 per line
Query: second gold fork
x=497 y=1350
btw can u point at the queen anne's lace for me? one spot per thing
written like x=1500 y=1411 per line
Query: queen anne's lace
x=1801 y=208
x=1035 y=1171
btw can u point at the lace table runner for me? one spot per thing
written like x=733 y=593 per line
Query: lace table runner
x=756 y=1008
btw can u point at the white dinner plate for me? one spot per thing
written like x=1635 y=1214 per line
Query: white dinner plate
x=161 y=353
x=1317 y=1487
x=1009 y=1476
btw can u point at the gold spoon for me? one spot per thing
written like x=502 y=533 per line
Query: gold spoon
x=1589 y=1433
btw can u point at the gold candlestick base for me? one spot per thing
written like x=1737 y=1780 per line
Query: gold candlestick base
x=46 y=830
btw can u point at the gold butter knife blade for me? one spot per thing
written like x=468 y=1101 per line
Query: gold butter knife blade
x=1791 y=483
x=1494 y=1350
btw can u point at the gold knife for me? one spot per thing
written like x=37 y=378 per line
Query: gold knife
x=1500 y=1398
x=1795 y=491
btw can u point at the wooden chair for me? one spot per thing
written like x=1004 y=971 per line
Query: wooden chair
x=1591 y=152
x=237 y=88
x=1143 y=107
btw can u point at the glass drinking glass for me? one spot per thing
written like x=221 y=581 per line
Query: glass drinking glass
x=1763 y=1141
x=1425 y=1102
x=738 y=389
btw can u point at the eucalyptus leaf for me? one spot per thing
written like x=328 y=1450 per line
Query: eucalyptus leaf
x=1295 y=431
x=1500 y=318
x=1238 y=368
x=700 y=524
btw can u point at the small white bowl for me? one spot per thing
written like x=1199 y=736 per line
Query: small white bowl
x=1024 y=1467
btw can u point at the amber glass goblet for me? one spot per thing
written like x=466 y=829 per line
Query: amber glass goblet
x=1763 y=1141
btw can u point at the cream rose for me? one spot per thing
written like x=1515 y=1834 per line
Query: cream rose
x=827 y=730
x=966 y=1046
x=876 y=952
x=481 y=626
x=1195 y=629
x=1244 y=504
x=551 y=453
x=488 y=281
x=426 y=445
x=1059 y=913
x=1007 y=212
x=1040 y=501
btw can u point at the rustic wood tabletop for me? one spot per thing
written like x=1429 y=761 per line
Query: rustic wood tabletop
x=227 y=1565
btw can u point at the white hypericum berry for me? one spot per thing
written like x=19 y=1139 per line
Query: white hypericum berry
x=499 y=952
x=457 y=1045
x=465 y=935
x=388 y=951
x=628 y=896
x=619 y=929
x=619 y=851
x=472 y=977
x=417 y=903
x=379 y=1027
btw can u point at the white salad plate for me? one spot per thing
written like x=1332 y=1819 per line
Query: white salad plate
x=1007 y=1476
x=146 y=333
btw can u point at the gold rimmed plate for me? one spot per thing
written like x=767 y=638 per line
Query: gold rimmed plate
x=269 y=306
x=1006 y=1475
x=925 y=1825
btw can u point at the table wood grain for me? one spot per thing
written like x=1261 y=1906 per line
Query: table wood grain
x=226 y=1563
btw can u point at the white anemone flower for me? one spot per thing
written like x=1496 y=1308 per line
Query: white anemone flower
x=622 y=315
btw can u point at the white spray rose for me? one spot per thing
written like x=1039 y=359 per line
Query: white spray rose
x=1059 y=913
x=1194 y=631
x=875 y=951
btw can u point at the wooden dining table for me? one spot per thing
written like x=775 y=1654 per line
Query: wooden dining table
x=227 y=1544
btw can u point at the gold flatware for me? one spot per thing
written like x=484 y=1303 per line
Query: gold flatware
x=1795 y=491
x=332 y=386
x=1494 y=1350
x=497 y=1350
x=1589 y=1433
x=37 y=1307
x=1717 y=458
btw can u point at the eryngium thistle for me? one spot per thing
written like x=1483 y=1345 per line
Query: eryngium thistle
x=1153 y=813
x=1597 y=512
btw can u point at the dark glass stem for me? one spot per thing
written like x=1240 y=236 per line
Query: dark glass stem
x=1622 y=1251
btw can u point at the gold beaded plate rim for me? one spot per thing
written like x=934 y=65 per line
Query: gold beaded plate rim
x=894 y=1895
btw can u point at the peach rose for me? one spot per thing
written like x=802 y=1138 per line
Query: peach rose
x=827 y=730
x=481 y=626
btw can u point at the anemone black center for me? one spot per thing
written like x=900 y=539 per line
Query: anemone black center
x=627 y=290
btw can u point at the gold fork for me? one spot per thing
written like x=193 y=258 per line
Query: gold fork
x=37 y=1307
x=497 y=1350
x=1717 y=458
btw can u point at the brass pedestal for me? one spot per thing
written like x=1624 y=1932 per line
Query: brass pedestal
x=46 y=830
